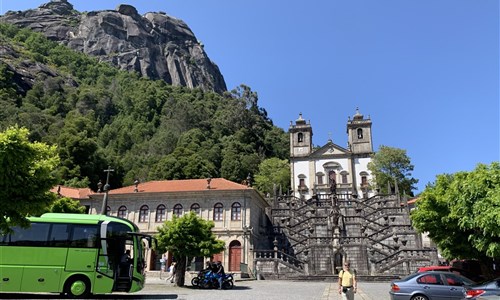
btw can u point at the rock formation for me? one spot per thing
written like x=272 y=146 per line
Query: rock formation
x=155 y=45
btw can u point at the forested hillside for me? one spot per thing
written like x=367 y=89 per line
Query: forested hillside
x=144 y=129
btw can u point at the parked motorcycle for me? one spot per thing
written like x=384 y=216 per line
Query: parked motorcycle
x=208 y=280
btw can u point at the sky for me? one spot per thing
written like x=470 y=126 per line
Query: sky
x=426 y=72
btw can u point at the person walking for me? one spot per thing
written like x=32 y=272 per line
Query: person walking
x=347 y=282
x=171 y=275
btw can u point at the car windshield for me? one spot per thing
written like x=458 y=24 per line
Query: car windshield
x=409 y=276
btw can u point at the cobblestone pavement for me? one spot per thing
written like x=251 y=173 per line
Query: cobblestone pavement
x=265 y=289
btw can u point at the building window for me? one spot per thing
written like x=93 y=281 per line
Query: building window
x=122 y=212
x=195 y=208
x=143 y=214
x=160 y=213
x=344 y=177
x=300 y=137
x=364 y=181
x=108 y=210
x=360 y=133
x=236 y=211
x=218 y=210
x=319 y=177
x=331 y=177
x=177 y=210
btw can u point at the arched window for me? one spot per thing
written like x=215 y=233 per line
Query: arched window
x=360 y=133
x=161 y=213
x=108 y=211
x=195 y=208
x=143 y=214
x=300 y=137
x=236 y=211
x=218 y=210
x=122 y=212
x=177 y=210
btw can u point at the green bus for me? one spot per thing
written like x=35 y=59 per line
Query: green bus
x=73 y=254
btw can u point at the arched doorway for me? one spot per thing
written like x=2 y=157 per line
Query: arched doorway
x=234 y=256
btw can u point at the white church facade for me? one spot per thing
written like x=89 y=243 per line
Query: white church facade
x=319 y=170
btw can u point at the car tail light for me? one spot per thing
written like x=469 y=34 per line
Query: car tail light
x=395 y=287
x=473 y=293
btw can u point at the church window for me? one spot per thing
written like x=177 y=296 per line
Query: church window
x=360 y=133
x=319 y=178
x=218 y=210
x=300 y=137
x=364 y=180
x=160 y=213
x=331 y=177
x=143 y=214
x=302 y=182
x=236 y=211
x=344 y=177
x=177 y=210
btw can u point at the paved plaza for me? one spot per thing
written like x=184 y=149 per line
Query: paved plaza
x=264 y=289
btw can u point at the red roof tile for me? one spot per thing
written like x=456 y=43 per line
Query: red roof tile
x=188 y=185
x=75 y=193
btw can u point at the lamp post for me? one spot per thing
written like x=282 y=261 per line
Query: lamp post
x=104 y=210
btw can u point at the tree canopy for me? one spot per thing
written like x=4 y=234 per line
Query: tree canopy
x=99 y=116
x=187 y=237
x=274 y=173
x=391 y=165
x=461 y=213
x=26 y=176
x=67 y=205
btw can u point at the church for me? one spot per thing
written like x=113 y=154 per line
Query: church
x=334 y=213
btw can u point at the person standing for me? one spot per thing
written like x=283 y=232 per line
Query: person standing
x=347 y=282
x=220 y=274
x=171 y=275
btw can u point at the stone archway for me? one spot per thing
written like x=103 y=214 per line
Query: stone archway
x=234 y=256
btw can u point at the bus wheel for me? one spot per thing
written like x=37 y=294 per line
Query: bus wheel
x=77 y=287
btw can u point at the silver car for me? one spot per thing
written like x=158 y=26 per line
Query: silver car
x=489 y=290
x=431 y=285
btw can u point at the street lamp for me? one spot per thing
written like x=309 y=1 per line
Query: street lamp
x=106 y=190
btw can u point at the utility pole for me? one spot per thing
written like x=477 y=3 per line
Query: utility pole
x=106 y=190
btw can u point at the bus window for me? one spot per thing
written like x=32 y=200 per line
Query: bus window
x=59 y=235
x=35 y=235
x=84 y=236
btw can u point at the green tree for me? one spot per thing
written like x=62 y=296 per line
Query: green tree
x=273 y=172
x=390 y=165
x=461 y=212
x=186 y=237
x=67 y=205
x=26 y=176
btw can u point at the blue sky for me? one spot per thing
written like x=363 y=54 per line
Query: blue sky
x=426 y=71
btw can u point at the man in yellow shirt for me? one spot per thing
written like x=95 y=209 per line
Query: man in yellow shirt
x=347 y=283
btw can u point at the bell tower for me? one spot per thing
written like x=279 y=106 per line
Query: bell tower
x=359 y=131
x=300 y=138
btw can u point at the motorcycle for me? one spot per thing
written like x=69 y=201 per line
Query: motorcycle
x=209 y=280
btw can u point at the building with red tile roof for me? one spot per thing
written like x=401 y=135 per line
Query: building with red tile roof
x=237 y=210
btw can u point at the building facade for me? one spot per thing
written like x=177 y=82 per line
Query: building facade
x=238 y=212
x=318 y=170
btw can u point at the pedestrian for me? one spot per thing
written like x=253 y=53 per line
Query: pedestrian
x=347 y=282
x=171 y=272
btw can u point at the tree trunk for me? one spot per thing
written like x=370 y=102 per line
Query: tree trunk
x=180 y=271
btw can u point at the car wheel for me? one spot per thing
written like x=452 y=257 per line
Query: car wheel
x=419 y=297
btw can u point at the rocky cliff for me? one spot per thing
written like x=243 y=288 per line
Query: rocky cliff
x=155 y=45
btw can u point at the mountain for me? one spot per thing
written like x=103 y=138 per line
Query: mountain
x=155 y=45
